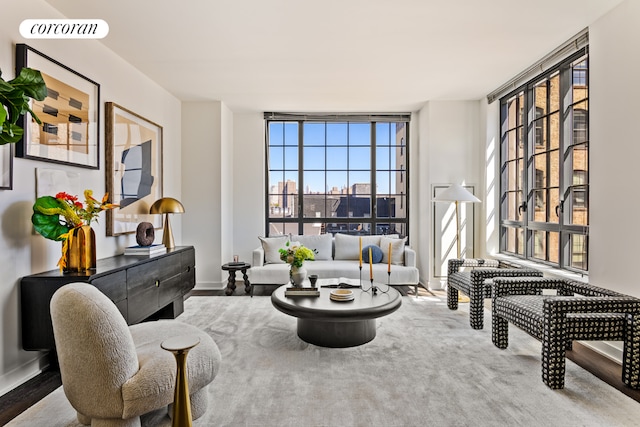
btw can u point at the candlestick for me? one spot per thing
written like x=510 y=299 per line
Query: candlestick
x=370 y=266
x=360 y=253
x=389 y=264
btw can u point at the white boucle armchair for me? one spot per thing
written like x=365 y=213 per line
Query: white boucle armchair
x=113 y=373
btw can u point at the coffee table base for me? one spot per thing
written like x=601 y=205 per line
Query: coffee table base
x=336 y=334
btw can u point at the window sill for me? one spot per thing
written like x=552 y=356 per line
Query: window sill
x=546 y=270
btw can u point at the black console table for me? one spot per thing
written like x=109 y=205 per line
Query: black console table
x=142 y=287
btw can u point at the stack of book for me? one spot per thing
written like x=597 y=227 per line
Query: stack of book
x=146 y=250
x=301 y=292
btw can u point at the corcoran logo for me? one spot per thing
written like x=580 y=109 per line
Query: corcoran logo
x=64 y=28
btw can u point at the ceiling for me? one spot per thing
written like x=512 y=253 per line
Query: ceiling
x=334 y=55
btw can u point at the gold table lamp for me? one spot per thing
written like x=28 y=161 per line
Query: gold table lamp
x=166 y=206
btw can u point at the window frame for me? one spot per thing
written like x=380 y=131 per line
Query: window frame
x=532 y=234
x=378 y=225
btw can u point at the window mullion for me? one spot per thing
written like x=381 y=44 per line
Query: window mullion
x=373 y=168
x=300 y=219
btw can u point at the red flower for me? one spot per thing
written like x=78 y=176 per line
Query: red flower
x=64 y=196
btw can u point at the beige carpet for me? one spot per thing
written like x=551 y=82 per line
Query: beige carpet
x=426 y=367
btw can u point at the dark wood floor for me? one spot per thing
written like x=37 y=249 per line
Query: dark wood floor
x=15 y=402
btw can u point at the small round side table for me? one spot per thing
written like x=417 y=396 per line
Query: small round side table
x=232 y=267
x=180 y=347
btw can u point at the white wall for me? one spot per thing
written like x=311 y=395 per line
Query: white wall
x=489 y=191
x=24 y=253
x=205 y=187
x=450 y=151
x=249 y=183
x=614 y=87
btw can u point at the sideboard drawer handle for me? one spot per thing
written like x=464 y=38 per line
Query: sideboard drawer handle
x=157 y=283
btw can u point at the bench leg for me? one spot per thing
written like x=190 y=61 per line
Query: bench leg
x=631 y=354
x=452 y=297
x=476 y=308
x=499 y=331
x=554 y=345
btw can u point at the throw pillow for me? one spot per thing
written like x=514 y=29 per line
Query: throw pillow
x=270 y=246
x=320 y=243
x=376 y=254
x=348 y=247
x=397 y=250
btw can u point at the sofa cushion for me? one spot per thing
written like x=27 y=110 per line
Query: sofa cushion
x=279 y=273
x=271 y=246
x=376 y=254
x=397 y=250
x=348 y=247
x=319 y=243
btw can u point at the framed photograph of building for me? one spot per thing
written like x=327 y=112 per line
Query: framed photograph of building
x=133 y=169
x=69 y=114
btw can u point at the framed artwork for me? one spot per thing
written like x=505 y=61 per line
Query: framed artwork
x=133 y=169
x=6 y=166
x=50 y=182
x=69 y=114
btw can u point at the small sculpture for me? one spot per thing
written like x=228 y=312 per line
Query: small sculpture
x=145 y=234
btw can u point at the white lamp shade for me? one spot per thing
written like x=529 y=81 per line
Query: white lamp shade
x=456 y=193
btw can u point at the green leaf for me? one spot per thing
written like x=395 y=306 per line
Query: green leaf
x=14 y=99
x=10 y=133
x=31 y=83
x=48 y=225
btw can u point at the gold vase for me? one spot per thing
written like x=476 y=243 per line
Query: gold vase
x=81 y=250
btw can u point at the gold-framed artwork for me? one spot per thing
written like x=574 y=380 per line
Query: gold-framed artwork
x=69 y=114
x=133 y=169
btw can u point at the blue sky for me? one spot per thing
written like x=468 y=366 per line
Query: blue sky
x=348 y=147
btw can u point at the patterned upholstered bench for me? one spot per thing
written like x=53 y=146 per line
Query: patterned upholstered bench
x=475 y=283
x=578 y=311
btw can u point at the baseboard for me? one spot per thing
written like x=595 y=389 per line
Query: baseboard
x=23 y=373
x=610 y=350
x=437 y=284
x=210 y=286
x=602 y=367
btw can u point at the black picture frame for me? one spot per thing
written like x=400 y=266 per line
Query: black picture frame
x=70 y=115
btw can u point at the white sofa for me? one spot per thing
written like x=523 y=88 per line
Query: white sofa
x=335 y=257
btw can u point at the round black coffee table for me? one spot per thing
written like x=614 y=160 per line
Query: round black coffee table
x=328 y=323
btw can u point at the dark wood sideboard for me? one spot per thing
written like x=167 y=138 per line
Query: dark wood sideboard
x=142 y=287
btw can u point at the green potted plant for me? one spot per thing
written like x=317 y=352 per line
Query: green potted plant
x=62 y=218
x=14 y=96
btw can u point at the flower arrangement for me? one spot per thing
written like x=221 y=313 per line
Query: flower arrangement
x=296 y=255
x=55 y=218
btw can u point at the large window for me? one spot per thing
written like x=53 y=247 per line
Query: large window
x=348 y=174
x=545 y=167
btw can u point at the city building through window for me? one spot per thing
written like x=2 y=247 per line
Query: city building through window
x=544 y=155
x=337 y=174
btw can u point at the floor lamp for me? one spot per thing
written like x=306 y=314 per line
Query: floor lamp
x=458 y=194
